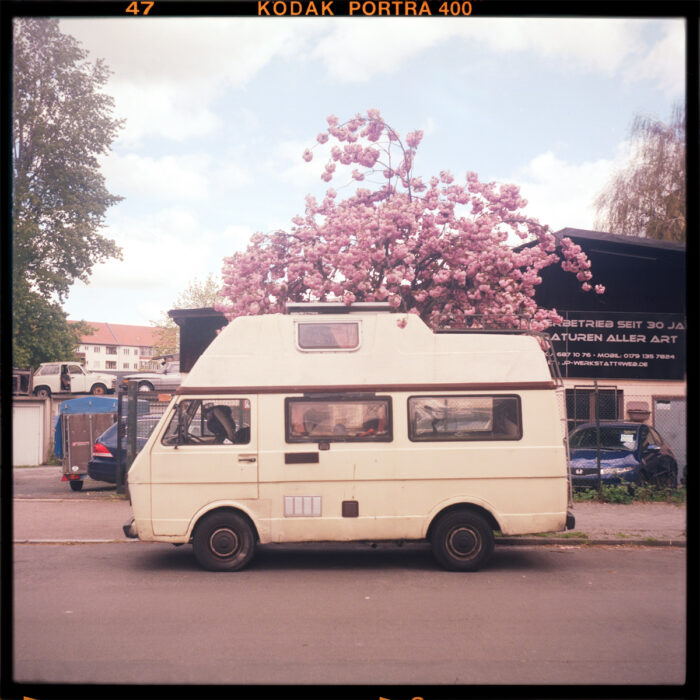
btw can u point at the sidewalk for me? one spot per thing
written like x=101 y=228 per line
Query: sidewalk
x=76 y=520
x=609 y=523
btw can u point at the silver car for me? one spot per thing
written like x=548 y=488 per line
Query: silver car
x=168 y=378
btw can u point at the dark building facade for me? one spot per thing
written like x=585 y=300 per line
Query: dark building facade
x=623 y=351
x=637 y=328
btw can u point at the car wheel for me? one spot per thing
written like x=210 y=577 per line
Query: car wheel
x=98 y=390
x=462 y=541
x=223 y=541
x=76 y=484
x=145 y=386
x=43 y=392
x=667 y=477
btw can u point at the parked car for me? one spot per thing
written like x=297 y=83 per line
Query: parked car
x=103 y=465
x=71 y=377
x=168 y=378
x=629 y=453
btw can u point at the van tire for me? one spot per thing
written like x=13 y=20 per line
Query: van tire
x=462 y=541
x=43 y=392
x=98 y=390
x=223 y=541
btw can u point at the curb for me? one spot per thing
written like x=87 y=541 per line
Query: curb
x=73 y=540
x=578 y=541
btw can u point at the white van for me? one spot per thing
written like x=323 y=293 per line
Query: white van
x=334 y=423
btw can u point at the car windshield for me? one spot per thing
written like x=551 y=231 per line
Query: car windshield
x=610 y=438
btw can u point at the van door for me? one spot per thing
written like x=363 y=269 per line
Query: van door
x=78 y=379
x=205 y=454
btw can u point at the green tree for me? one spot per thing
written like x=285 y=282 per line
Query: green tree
x=61 y=124
x=46 y=334
x=197 y=295
x=647 y=197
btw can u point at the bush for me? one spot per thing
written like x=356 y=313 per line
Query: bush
x=631 y=493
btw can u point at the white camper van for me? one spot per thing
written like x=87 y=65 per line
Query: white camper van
x=334 y=423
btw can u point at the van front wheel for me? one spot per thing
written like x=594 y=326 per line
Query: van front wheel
x=223 y=542
x=462 y=541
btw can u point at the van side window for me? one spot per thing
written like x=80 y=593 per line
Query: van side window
x=464 y=418
x=338 y=419
x=209 y=422
x=328 y=336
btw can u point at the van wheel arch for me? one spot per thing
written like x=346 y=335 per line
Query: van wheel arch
x=226 y=509
x=468 y=507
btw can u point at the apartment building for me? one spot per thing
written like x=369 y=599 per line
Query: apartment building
x=118 y=347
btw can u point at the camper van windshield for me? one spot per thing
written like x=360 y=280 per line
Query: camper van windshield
x=224 y=421
x=328 y=336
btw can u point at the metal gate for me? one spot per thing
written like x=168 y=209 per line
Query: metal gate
x=670 y=421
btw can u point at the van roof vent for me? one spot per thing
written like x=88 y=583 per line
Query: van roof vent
x=335 y=307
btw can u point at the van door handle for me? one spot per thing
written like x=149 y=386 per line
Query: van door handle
x=246 y=458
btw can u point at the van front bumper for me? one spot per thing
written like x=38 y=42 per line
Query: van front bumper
x=130 y=529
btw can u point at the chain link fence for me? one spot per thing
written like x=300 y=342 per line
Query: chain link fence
x=600 y=446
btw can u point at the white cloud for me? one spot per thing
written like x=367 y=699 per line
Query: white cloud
x=357 y=49
x=562 y=194
x=665 y=62
x=185 y=52
x=165 y=110
x=167 y=71
x=168 y=178
x=361 y=48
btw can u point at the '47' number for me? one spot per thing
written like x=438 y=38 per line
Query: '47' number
x=133 y=8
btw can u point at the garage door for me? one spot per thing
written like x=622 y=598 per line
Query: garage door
x=27 y=435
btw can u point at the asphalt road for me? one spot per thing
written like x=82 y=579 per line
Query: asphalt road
x=107 y=610
x=145 y=613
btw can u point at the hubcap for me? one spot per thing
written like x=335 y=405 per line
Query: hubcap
x=463 y=542
x=223 y=542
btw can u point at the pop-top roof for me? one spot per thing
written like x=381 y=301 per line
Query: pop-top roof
x=394 y=350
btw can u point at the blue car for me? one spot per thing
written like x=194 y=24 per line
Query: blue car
x=103 y=465
x=629 y=453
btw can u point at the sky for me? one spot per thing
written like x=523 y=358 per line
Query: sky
x=219 y=111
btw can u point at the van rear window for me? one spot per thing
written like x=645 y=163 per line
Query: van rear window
x=328 y=336
x=338 y=420
x=464 y=418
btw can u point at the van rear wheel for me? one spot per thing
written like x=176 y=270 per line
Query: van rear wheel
x=223 y=542
x=462 y=541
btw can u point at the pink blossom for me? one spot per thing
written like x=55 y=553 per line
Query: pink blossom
x=405 y=241
x=414 y=138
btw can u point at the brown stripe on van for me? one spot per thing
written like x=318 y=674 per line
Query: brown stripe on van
x=347 y=388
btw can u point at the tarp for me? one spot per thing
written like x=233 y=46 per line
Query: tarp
x=86 y=404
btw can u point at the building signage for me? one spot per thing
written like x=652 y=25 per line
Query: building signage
x=620 y=345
